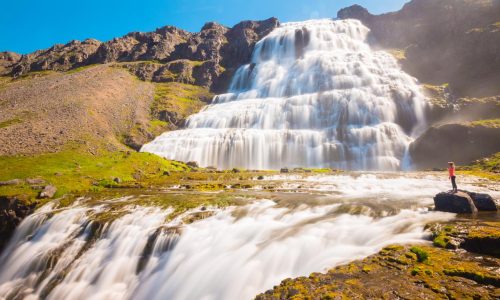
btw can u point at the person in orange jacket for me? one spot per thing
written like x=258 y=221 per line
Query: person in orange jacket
x=451 y=173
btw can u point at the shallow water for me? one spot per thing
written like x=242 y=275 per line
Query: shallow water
x=233 y=253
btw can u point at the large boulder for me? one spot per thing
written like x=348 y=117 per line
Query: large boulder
x=459 y=202
x=483 y=201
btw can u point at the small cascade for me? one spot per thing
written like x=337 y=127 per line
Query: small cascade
x=314 y=95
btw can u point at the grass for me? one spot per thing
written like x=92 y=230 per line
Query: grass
x=491 y=123
x=422 y=255
x=488 y=167
x=10 y=122
x=183 y=99
x=74 y=170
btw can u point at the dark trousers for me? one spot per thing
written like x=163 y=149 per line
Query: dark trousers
x=453 y=183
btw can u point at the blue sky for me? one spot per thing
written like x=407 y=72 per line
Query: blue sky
x=28 y=25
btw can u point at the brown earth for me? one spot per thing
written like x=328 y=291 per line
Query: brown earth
x=94 y=107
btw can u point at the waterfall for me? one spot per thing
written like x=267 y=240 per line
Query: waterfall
x=118 y=250
x=314 y=95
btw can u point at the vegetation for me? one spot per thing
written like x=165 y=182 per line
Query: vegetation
x=488 y=167
x=492 y=123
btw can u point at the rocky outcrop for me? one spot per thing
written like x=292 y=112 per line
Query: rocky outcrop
x=449 y=41
x=207 y=58
x=458 y=202
x=461 y=143
x=398 y=272
x=12 y=212
x=464 y=202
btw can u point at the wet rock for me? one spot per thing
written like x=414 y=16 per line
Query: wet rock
x=284 y=170
x=117 y=180
x=166 y=173
x=48 y=192
x=11 y=182
x=236 y=170
x=260 y=177
x=459 y=202
x=12 y=211
x=483 y=201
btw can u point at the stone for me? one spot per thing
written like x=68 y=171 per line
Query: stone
x=483 y=201
x=260 y=177
x=35 y=181
x=166 y=173
x=284 y=170
x=458 y=202
x=192 y=164
x=236 y=170
x=117 y=180
x=12 y=212
x=48 y=192
x=11 y=182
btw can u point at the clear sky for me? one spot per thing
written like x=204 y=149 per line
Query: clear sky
x=28 y=25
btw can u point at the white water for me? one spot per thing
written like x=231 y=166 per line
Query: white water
x=234 y=254
x=315 y=95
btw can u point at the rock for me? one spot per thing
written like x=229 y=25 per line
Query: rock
x=35 y=181
x=11 y=182
x=12 y=211
x=483 y=201
x=459 y=202
x=236 y=170
x=48 y=192
x=192 y=164
x=461 y=143
x=117 y=180
x=166 y=173
x=284 y=170
x=260 y=177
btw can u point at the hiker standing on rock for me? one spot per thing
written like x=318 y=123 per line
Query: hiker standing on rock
x=451 y=172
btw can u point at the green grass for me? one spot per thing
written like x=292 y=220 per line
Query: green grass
x=74 y=171
x=492 y=123
x=76 y=70
x=488 y=167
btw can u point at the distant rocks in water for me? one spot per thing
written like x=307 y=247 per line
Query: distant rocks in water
x=48 y=192
x=464 y=202
x=284 y=170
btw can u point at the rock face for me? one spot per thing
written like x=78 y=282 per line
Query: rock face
x=459 y=202
x=461 y=143
x=12 y=212
x=448 y=41
x=207 y=58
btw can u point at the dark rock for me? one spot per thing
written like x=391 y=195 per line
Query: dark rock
x=236 y=170
x=12 y=212
x=483 y=201
x=192 y=164
x=260 y=177
x=48 y=192
x=11 y=182
x=284 y=170
x=117 y=180
x=166 y=173
x=461 y=143
x=458 y=202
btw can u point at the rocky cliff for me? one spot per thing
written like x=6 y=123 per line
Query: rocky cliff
x=447 y=41
x=207 y=58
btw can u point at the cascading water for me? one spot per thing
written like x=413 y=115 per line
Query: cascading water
x=314 y=95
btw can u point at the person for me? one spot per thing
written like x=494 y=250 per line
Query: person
x=451 y=172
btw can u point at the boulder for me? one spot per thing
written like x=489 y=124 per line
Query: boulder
x=11 y=182
x=459 y=202
x=12 y=211
x=483 y=201
x=48 y=192
x=192 y=164
x=284 y=170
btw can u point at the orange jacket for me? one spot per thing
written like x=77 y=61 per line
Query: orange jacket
x=451 y=171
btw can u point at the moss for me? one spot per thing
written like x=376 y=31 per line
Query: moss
x=422 y=255
x=488 y=167
x=491 y=123
x=79 y=69
x=477 y=276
